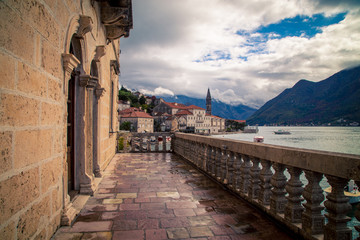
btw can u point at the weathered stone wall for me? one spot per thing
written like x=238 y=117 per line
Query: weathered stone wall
x=33 y=110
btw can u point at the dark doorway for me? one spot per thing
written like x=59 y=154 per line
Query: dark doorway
x=71 y=137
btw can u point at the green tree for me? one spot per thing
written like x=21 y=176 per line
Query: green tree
x=125 y=126
x=142 y=100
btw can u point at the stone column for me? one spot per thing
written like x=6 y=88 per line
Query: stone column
x=337 y=206
x=312 y=219
x=98 y=94
x=70 y=62
x=294 y=209
x=254 y=186
x=85 y=138
x=265 y=186
x=278 y=181
x=245 y=174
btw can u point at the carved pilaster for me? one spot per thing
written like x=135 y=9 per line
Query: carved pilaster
x=312 y=219
x=294 y=209
x=85 y=25
x=265 y=186
x=254 y=187
x=245 y=174
x=237 y=174
x=337 y=206
x=278 y=181
x=70 y=62
x=357 y=213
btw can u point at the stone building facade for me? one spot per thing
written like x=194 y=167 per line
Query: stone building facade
x=59 y=66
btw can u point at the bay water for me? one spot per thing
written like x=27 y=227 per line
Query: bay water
x=332 y=139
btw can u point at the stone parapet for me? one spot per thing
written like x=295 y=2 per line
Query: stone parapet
x=280 y=193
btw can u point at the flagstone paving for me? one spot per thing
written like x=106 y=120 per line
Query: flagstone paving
x=159 y=196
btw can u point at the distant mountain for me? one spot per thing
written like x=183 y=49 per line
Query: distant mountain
x=331 y=100
x=238 y=112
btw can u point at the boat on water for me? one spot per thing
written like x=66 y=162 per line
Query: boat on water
x=282 y=131
x=259 y=139
x=351 y=191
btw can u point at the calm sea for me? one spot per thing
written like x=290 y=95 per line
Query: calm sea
x=333 y=139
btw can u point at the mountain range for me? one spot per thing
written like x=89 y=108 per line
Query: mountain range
x=333 y=100
x=221 y=109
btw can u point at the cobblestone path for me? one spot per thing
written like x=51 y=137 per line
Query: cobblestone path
x=159 y=196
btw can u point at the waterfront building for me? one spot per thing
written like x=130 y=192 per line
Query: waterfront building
x=140 y=120
x=60 y=67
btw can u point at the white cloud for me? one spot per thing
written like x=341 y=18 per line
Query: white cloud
x=159 y=91
x=169 y=36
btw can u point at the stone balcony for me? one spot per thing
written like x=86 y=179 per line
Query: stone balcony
x=217 y=189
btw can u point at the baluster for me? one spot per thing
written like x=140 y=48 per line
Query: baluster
x=237 y=174
x=245 y=174
x=294 y=209
x=200 y=155
x=337 y=206
x=265 y=186
x=218 y=164
x=212 y=161
x=231 y=170
x=206 y=157
x=278 y=181
x=254 y=187
x=312 y=219
x=224 y=159
x=357 y=212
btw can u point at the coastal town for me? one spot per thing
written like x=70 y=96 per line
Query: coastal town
x=154 y=114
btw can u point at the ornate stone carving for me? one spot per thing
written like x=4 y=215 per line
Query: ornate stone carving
x=117 y=18
x=116 y=66
x=312 y=219
x=278 y=181
x=99 y=52
x=85 y=25
x=337 y=206
x=293 y=208
x=99 y=91
x=265 y=186
x=254 y=187
x=69 y=62
x=88 y=81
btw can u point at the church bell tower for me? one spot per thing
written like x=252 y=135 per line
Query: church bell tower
x=208 y=102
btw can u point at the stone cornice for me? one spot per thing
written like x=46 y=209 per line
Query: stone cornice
x=69 y=62
x=117 y=17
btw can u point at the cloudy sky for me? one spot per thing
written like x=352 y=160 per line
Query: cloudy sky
x=245 y=51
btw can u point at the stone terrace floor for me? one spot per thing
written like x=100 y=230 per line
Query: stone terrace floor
x=160 y=196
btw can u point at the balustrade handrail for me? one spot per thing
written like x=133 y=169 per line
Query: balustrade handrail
x=335 y=164
x=144 y=142
x=236 y=164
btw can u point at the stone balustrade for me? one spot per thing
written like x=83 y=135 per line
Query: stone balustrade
x=269 y=177
x=144 y=142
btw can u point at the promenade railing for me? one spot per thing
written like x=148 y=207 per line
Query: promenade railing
x=144 y=142
x=282 y=181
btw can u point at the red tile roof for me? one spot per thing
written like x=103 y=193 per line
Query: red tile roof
x=194 y=107
x=184 y=112
x=176 y=105
x=136 y=115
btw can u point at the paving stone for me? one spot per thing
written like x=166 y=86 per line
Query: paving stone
x=174 y=222
x=148 y=223
x=201 y=221
x=130 y=206
x=112 y=201
x=168 y=194
x=124 y=225
x=95 y=226
x=181 y=212
x=200 y=232
x=155 y=234
x=126 y=195
x=149 y=206
x=97 y=236
x=129 y=235
x=177 y=233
